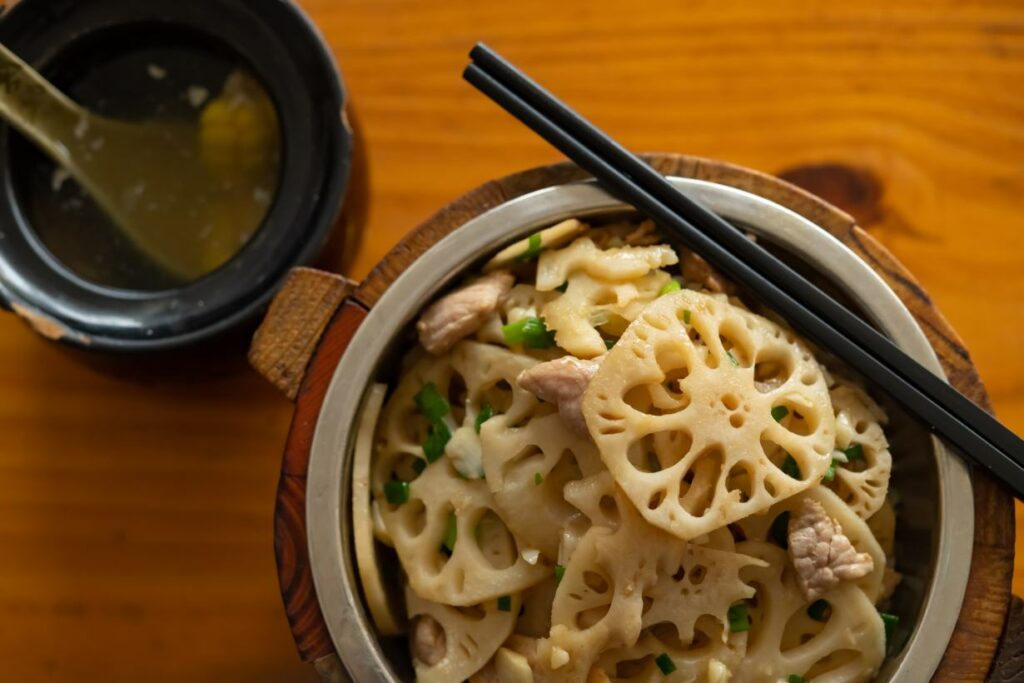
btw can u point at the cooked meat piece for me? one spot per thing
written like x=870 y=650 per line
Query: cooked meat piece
x=562 y=381
x=697 y=270
x=461 y=313
x=428 y=640
x=822 y=555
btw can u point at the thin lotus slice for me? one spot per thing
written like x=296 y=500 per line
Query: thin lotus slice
x=772 y=527
x=839 y=641
x=605 y=289
x=710 y=657
x=705 y=413
x=864 y=481
x=530 y=247
x=451 y=643
x=383 y=612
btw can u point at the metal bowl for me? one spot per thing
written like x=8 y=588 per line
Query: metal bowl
x=936 y=508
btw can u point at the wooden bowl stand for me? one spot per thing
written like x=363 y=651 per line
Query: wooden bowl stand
x=312 y=319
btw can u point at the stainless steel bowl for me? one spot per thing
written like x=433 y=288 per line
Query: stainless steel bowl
x=936 y=522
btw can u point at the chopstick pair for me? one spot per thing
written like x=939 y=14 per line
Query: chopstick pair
x=976 y=434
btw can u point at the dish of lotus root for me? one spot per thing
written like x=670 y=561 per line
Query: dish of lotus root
x=598 y=464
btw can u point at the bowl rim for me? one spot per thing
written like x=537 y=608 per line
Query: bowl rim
x=327 y=504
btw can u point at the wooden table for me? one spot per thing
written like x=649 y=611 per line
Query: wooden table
x=135 y=502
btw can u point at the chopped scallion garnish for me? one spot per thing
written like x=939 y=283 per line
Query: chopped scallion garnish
x=791 y=467
x=670 y=286
x=665 y=663
x=779 y=412
x=890 y=621
x=732 y=359
x=854 y=452
x=739 y=619
x=437 y=439
x=396 y=491
x=451 y=533
x=779 y=530
x=609 y=343
x=485 y=414
x=830 y=473
x=559 y=573
x=818 y=610
x=431 y=403
x=538 y=478
x=533 y=245
x=686 y=316
x=562 y=287
x=530 y=332
x=505 y=603
x=795 y=678
x=418 y=465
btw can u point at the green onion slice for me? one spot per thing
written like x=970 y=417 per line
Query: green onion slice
x=609 y=343
x=485 y=414
x=795 y=678
x=431 y=403
x=779 y=412
x=505 y=603
x=418 y=465
x=791 y=468
x=530 y=332
x=890 y=621
x=396 y=491
x=854 y=452
x=739 y=619
x=533 y=246
x=830 y=473
x=538 y=478
x=665 y=663
x=559 y=573
x=686 y=316
x=732 y=359
x=437 y=439
x=670 y=286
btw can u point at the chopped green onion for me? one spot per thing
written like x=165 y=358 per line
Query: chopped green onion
x=854 y=452
x=538 y=478
x=437 y=439
x=451 y=533
x=505 y=603
x=665 y=663
x=609 y=343
x=670 y=286
x=791 y=468
x=739 y=620
x=732 y=358
x=431 y=403
x=396 y=491
x=795 y=678
x=531 y=332
x=686 y=316
x=533 y=245
x=779 y=412
x=830 y=473
x=818 y=610
x=779 y=530
x=890 y=621
x=418 y=465
x=485 y=414
x=559 y=573
x=562 y=287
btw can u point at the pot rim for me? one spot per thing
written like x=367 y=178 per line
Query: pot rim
x=329 y=477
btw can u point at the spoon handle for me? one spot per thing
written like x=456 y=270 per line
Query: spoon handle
x=38 y=110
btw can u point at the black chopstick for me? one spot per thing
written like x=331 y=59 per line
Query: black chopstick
x=1001 y=455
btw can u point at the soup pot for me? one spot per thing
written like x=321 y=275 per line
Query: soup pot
x=325 y=340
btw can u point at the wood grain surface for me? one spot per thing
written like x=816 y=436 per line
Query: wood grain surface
x=136 y=530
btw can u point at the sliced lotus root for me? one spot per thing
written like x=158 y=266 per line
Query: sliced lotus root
x=840 y=641
x=527 y=248
x=451 y=643
x=705 y=413
x=378 y=600
x=527 y=466
x=883 y=526
x=772 y=527
x=605 y=289
x=709 y=658
x=863 y=481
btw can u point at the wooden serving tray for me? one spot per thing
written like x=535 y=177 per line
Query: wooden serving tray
x=315 y=315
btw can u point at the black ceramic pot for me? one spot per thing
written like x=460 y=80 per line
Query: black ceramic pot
x=282 y=48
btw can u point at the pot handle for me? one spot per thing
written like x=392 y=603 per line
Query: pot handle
x=309 y=324
x=1009 y=662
